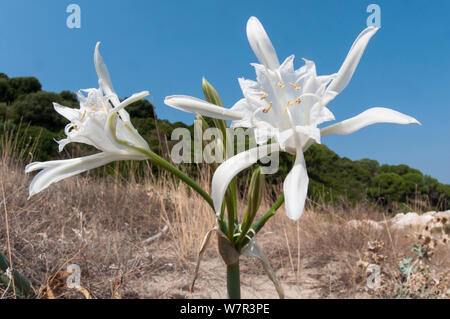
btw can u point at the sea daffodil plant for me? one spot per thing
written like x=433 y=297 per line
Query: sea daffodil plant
x=102 y=122
x=285 y=106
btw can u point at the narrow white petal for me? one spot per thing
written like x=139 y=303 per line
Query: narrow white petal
x=261 y=44
x=233 y=166
x=347 y=69
x=368 y=117
x=295 y=188
x=102 y=72
x=134 y=98
x=68 y=112
x=55 y=171
x=193 y=105
x=41 y=165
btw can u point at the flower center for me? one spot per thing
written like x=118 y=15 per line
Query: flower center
x=298 y=100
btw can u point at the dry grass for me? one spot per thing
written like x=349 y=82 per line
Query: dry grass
x=105 y=226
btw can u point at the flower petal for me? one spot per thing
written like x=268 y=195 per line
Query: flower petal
x=246 y=109
x=54 y=171
x=233 y=166
x=102 y=72
x=347 y=69
x=295 y=188
x=134 y=98
x=68 y=112
x=193 y=105
x=261 y=44
x=298 y=138
x=368 y=117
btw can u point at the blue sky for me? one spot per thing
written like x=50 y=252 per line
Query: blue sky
x=167 y=46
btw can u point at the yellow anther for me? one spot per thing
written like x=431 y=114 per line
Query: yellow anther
x=281 y=84
x=268 y=108
x=83 y=115
x=264 y=95
x=94 y=108
x=295 y=86
x=297 y=101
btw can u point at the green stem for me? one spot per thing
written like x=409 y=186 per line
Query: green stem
x=230 y=214
x=158 y=160
x=233 y=281
x=271 y=212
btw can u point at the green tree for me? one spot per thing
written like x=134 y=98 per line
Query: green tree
x=37 y=109
x=24 y=85
x=69 y=96
x=414 y=184
x=387 y=188
x=141 y=109
x=6 y=91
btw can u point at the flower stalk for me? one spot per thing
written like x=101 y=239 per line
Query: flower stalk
x=233 y=281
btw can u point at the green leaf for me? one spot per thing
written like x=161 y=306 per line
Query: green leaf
x=22 y=285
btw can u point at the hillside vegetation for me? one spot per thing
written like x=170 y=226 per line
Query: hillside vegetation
x=27 y=110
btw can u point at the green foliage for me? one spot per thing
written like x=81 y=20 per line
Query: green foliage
x=69 y=96
x=142 y=109
x=387 y=187
x=330 y=176
x=24 y=85
x=37 y=109
x=6 y=91
x=42 y=142
x=405 y=267
x=22 y=286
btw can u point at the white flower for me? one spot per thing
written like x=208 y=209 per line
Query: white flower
x=287 y=105
x=95 y=123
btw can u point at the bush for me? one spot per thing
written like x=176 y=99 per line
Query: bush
x=37 y=110
x=387 y=188
x=24 y=85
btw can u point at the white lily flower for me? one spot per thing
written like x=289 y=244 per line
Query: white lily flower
x=287 y=105
x=95 y=123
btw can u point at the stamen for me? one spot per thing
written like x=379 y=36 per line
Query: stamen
x=93 y=106
x=289 y=103
x=75 y=126
x=82 y=116
x=264 y=95
x=281 y=84
x=298 y=88
x=268 y=108
x=297 y=101
x=105 y=108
